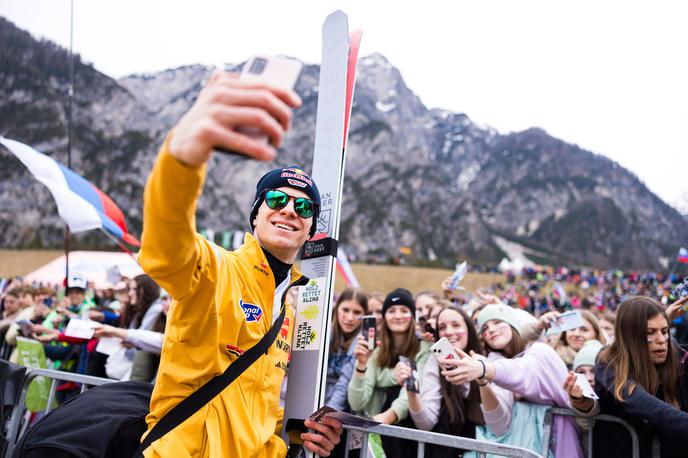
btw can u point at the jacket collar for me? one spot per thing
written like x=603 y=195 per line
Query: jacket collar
x=252 y=248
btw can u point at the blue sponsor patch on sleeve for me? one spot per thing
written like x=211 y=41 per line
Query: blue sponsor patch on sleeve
x=252 y=312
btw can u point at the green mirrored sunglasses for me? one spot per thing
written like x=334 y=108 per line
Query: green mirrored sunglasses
x=303 y=207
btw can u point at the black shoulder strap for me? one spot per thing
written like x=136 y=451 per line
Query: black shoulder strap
x=212 y=388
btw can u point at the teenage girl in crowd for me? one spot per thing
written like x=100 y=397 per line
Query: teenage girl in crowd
x=374 y=389
x=532 y=371
x=572 y=340
x=375 y=301
x=441 y=406
x=351 y=305
x=642 y=378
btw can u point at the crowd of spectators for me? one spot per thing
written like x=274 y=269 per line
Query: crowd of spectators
x=510 y=368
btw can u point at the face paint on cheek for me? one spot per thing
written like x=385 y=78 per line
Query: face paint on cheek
x=407 y=316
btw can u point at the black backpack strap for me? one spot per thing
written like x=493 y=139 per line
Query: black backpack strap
x=212 y=388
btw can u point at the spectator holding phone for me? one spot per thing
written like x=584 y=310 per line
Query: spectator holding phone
x=532 y=371
x=374 y=389
x=442 y=406
x=351 y=305
x=642 y=378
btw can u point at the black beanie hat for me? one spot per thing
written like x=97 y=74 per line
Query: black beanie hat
x=399 y=296
x=293 y=177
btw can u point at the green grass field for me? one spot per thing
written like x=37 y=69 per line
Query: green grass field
x=381 y=278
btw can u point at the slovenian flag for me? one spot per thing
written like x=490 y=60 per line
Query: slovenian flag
x=79 y=202
x=682 y=256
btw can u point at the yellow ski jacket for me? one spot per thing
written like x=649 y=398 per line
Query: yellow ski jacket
x=224 y=302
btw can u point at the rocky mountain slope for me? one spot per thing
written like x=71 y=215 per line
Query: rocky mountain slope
x=422 y=178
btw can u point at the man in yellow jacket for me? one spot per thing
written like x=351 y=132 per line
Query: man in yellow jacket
x=226 y=301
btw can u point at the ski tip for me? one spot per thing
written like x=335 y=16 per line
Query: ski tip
x=337 y=16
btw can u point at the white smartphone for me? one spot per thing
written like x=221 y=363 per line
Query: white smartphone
x=443 y=349
x=276 y=71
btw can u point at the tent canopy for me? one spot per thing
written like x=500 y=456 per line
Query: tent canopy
x=94 y=265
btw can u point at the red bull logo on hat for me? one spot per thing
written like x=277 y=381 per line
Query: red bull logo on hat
x=297 y=174
x=252 y=312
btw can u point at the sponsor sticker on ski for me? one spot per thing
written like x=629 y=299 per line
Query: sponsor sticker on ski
x=310 y=305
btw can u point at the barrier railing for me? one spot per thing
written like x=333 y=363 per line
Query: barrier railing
x=547 y=430
x=482 y=448
x=424 y=437
x=15 y=422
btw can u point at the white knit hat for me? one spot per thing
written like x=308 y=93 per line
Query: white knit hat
x=587 y=354
x=501 y=312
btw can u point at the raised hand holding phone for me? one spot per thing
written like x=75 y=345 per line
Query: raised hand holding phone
x=443 y=350
x=225 y=104
x=278 y=72
x=369 y=330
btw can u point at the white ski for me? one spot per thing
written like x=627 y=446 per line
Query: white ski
x=307 y=375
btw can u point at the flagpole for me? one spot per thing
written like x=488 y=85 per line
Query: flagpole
x=120 y=245
x=70 y=97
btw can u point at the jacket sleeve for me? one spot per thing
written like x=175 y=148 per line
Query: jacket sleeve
x=499 y=419
x=339 y=392
x=644 y=405
x=537 y=375
x=400 y=405
x=530 y=331
x=430 y=396
x=145 y=340
x=171 y=252
x=361 y=389
x=110 y=318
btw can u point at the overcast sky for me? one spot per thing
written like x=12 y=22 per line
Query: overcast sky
x=609 y=76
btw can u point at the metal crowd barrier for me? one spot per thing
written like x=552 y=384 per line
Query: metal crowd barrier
x=549 y=420
x=422 y=437
x=458 y=442
x=15 y=428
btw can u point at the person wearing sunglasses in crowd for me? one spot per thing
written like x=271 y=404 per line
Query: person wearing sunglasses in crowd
x=642 y=378
x=532 y=371
x=225 y=302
